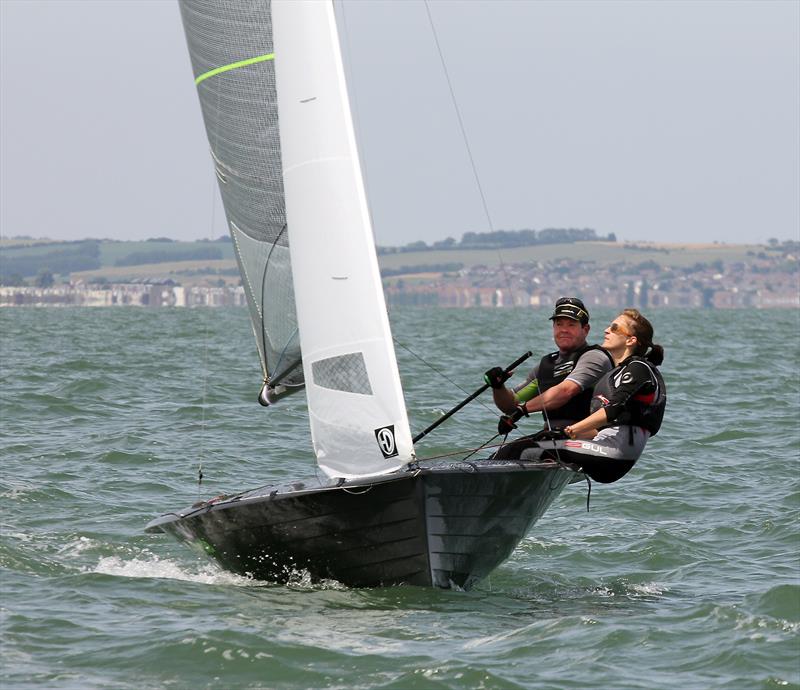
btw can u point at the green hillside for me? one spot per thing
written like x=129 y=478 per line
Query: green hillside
x=602 y=253
x=192 y=262
x=26 y=260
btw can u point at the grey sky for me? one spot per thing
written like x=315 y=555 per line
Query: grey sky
x=675 y=121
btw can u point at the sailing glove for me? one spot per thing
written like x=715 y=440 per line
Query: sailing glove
x=509 y=421
x=496 y=377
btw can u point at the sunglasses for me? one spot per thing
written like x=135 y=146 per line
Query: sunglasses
x=614 y=327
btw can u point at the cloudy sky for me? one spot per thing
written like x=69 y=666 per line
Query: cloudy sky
x=662 y=120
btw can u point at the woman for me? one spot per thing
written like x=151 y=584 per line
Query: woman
x=628 y=403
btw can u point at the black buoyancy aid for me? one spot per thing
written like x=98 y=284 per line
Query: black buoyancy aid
x=644 y=409
x=550 y=374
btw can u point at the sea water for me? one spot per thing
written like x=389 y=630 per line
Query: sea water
x=685 y=574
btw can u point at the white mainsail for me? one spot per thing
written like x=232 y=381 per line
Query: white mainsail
x=358 y=418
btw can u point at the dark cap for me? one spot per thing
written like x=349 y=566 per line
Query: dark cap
x=570 y=308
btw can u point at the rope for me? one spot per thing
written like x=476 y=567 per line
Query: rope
x=205 y=371
x=471 y=451
x=205 y=334
x=435 y=370
x=485 y=445
x=263 y=329
x=466 y=145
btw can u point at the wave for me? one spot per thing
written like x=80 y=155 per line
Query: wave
x=153 y=566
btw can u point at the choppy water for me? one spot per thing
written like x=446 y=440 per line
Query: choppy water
x=686 y=574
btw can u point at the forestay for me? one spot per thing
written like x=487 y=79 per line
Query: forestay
x=357 y=411
x=230 y=45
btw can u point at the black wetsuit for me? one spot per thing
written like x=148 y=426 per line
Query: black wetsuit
x=553 y=370
x=634 y=397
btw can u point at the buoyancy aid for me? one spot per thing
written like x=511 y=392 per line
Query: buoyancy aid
x=644 y=408
x=550 y=374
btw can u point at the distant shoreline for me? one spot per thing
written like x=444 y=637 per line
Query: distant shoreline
x=602 y=272
x=162 y=295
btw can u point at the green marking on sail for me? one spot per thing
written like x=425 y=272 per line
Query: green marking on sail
x=234 y=65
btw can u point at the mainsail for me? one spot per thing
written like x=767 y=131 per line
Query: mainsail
x=302 y=180
x=230 y=45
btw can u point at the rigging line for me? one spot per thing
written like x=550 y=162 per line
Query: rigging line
x=550 y=428
x=434 y=369
x=458 y=116
x=355 y=109
x=275 y=379
x=205 y=334
x=462 y=450
x=263 y=285
x=205 y=354
x=546 y=418
x=467 y=457
x=467 y=146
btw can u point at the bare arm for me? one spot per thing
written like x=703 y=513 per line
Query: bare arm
x=587 y=428
x=504 y=399
x=633 y=379
x=509 y=399
x=554 y=397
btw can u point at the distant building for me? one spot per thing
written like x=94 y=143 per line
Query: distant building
x=123 y=294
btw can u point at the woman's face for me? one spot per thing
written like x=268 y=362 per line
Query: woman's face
x=618 y=334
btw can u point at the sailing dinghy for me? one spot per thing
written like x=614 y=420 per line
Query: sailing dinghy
x=272 y=91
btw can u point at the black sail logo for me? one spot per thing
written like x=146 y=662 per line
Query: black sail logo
x=386 y=442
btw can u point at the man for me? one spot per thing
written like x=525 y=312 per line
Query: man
x=561 y=385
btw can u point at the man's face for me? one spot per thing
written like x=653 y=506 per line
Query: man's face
x=568 y=334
